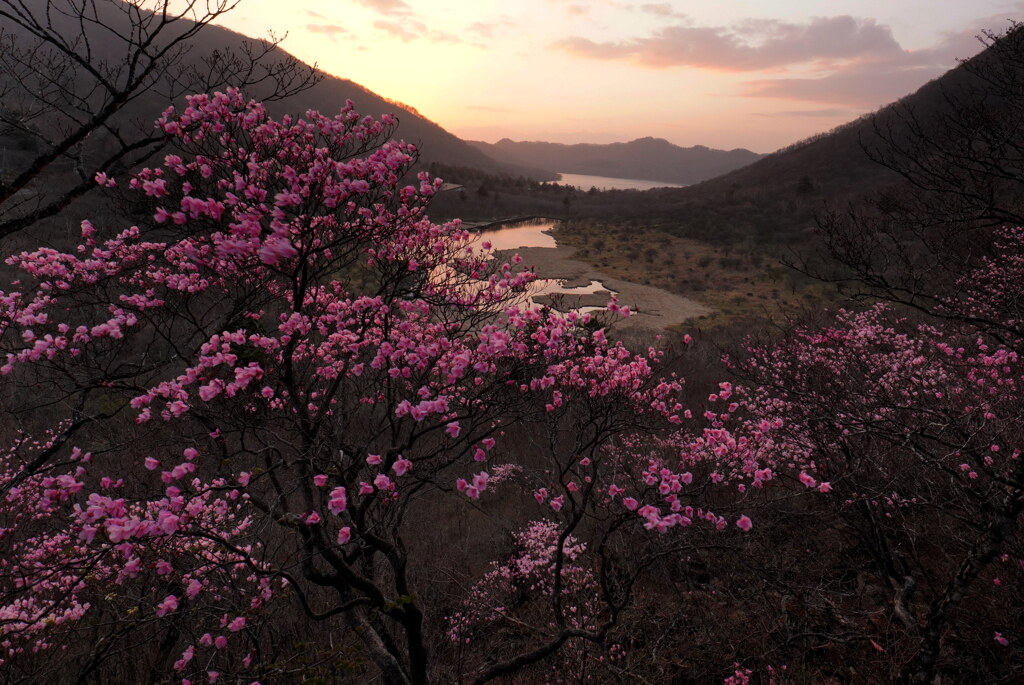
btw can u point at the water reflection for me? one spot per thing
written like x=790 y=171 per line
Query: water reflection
x=536 y=234
x=585 y=182
x=544 y=291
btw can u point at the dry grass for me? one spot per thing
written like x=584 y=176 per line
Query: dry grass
x=739 y=284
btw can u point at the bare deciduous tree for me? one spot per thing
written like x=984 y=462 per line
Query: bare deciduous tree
x=81 y=81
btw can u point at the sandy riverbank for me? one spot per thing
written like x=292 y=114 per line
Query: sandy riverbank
x=654 y=308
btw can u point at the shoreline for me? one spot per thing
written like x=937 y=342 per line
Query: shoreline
x=506 y=223
x=653 y=308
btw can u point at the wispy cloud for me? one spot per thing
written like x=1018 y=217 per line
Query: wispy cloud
x=490 y=29
x=872 y=80
x=332 y=30
x=572 y=7
x=847 y=61
x=386 y=6
x=661 y=9
x=751 y=45
x=403 y=31
x=409 y=30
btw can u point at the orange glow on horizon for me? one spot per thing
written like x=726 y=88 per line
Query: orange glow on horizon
x=549 y=70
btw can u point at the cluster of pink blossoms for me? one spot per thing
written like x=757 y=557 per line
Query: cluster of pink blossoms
x=300 y=348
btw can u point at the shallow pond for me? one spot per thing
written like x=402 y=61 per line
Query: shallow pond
x=569 y=284
x=538 y=234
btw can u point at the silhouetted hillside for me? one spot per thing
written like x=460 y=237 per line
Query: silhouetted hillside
x=435 y=143
x=652 y=159
x=776 y=198
x=328 y=96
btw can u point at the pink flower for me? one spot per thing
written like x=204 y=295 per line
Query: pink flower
x=186 y=657
x=320 y=480
x=402 y=466
x=106 y=181
x=453 y=429
x=168 y=522
x=169 y=604
x=338 y=500
x=1000 y=640
x=277 y=249
x=344 y=535
x=237 y=624
x=807 y=479
x=744 y=523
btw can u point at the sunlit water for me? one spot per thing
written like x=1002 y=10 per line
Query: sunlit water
x=584 y=182
x=534 y=234
x=537 y=234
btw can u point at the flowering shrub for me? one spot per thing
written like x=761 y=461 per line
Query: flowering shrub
x=916 y=431
x=265 y=378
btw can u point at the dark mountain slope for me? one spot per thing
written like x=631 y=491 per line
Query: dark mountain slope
x=777 y=198
x=330 y=94
x=107 y=48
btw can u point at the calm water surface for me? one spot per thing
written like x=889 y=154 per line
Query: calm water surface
x=537 y=234
x=584 y=182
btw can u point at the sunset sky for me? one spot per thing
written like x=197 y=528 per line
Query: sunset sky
x=724 y=73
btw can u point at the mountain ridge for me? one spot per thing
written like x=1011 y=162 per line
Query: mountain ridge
x=648 y=157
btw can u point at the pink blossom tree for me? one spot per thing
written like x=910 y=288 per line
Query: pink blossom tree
x=276 y=388
x=915 y=433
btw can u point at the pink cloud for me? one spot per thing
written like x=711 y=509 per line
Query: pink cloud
x=747 y=46
x=489 y=29
x=409 y=30
x=332 y=30
x=871 y=81
x=404 y=31
x=661 y=9
x=386 y=6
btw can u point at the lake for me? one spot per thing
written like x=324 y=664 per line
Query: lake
x=584 y=182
